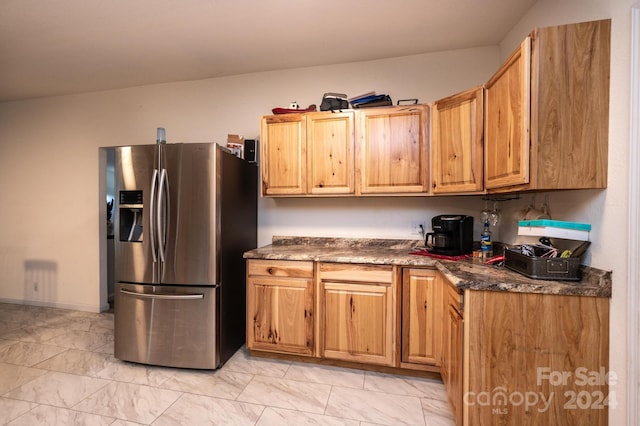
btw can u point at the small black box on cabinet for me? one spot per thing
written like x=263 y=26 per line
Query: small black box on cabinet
x=251 y=150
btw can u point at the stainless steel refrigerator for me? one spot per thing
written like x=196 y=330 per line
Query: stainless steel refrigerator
x=184 y=215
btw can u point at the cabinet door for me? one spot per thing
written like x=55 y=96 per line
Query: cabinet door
x=570 y=105
x=421 y=316
x=452 y=349
x=506 y=121
x=283 y=154
x=454 y=369
x=280 y=307
x=330 y=153
x=392 y=150
x=456 y=144
x=358 y=323
x=356 y=304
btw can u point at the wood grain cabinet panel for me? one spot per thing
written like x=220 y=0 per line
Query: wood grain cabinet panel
x=547 y=111
x=392 y=150
x=457 y=129
x=283 y=157
x=280 y=308
x=356 y=306
x=452 y=349
x=330 y=153
x=549 y=347
x=507 y=121
x=421 y=317
x=308 y=154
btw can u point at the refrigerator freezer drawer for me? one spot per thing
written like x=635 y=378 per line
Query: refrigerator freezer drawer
x=166 y=325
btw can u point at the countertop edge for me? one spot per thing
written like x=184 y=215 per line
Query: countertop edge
x=462 y=274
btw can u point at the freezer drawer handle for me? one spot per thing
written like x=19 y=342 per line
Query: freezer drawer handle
x=163 y=296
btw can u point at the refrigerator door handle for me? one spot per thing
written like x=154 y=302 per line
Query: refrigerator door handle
x=152 y=224
x=161 y=213
x=163 y=296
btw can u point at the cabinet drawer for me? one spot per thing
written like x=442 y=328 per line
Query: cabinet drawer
x=280 y=268
x=356 y=273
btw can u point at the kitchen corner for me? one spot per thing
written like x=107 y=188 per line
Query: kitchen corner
x=482 y=328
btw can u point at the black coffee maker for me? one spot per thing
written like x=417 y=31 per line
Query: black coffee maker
x=452 y=235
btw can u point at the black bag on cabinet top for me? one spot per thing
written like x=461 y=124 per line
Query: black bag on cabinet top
x=334 y=101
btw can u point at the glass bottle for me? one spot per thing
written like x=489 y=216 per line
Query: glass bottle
x=486 y=245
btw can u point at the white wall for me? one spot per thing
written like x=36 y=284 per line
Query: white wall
x=51 y=209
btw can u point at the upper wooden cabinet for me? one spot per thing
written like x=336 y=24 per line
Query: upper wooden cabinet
x=507 y=121
x=392 y=150
x=547 y=111
x=330 y=151
x=283 y=145
x=457 y=143
x=372 y=151
x=308 y=154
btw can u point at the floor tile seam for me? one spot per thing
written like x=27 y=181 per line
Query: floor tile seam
x=25 y=383
x=419 y=400
x=306 y=380
x=257 y=373
x=446 y=399
x=115 y=417
x=284 y=408
x=299 y=381
x=253 y=376
x=264 y=408
x=324 y=414
x=107 y=382
x=448 y=415
x=359 y=420
x=115 y=380
x=224 y=399
x=391 y=393
x=166 y=409
x=422 y=395
x=35 y=343
x=71 y=373
x=21 y=414
x=193 y=393
x=38 y=405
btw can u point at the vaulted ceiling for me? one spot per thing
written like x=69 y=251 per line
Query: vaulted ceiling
x=60 y=47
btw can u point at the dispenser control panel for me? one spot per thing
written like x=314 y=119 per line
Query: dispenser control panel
x=131 y=216
x=130 y=197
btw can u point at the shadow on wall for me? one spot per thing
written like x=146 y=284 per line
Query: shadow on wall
x=40 y=280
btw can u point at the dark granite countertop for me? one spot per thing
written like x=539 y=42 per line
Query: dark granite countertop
x=464 y=274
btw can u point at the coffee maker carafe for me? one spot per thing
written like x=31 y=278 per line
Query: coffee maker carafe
x=452 y=235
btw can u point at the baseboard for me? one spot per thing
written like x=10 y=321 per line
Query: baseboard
x=70 y=306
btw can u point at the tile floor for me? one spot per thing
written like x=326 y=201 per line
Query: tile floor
x=57 y=368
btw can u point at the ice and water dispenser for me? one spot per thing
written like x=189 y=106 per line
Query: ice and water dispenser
x=130 y=210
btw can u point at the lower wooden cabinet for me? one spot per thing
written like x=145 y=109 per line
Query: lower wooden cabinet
x=493 y=349
x=280 y=296
x=356 y=312
x=421 y=318
x=452 y=349
x=536 y=359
